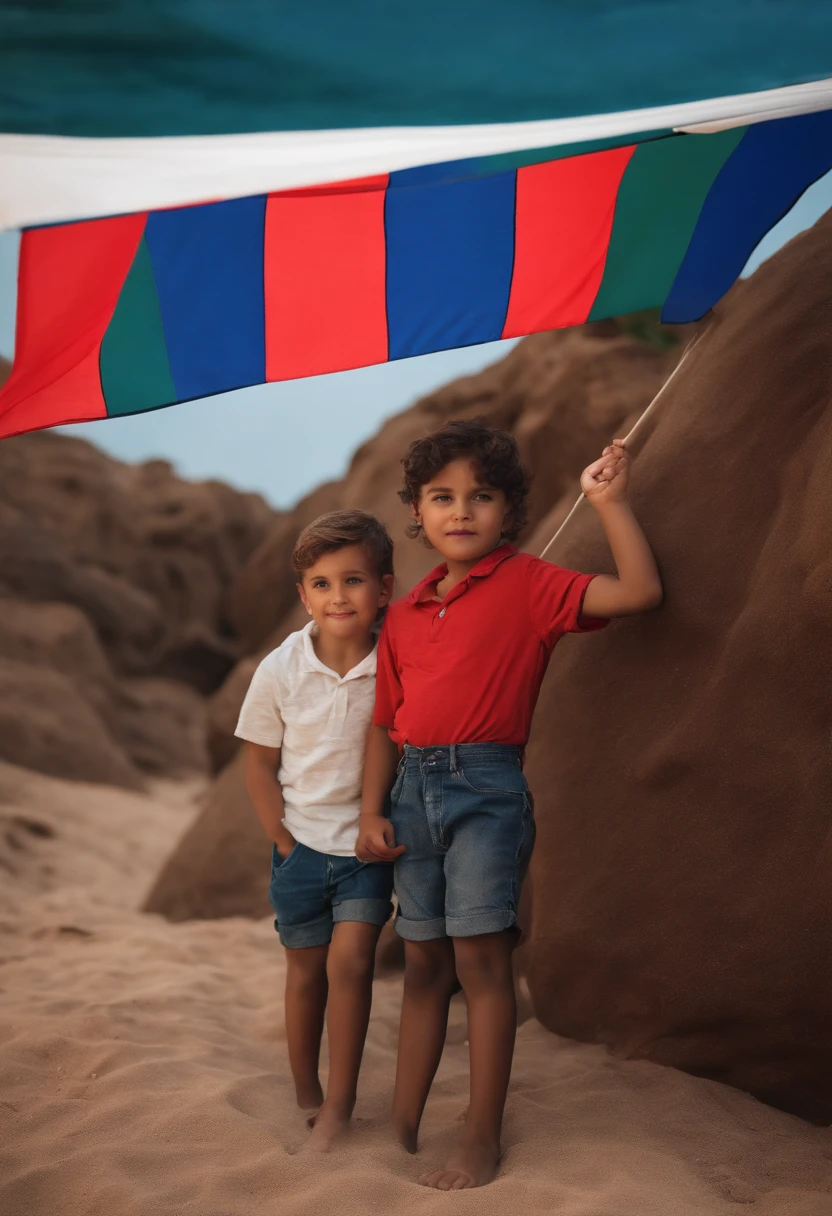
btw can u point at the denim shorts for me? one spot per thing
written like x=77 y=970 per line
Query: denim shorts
x=466 y=819
x=311 y=891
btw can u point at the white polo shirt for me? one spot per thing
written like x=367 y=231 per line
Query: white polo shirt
x=319 y=720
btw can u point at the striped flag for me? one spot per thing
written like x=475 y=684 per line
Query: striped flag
x=333 y=249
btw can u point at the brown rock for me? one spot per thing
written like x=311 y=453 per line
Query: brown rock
x=161 y=725
x=33 y=566
x=681 y=760
x=60 y=637
x=148 y=556
x=46 y=724
x=221 y=865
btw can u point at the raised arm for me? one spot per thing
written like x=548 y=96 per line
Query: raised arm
x=266 y=795
x=637 y=585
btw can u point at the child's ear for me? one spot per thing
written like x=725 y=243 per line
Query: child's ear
x=385 y=594
x=302 y=595
x=415 y=512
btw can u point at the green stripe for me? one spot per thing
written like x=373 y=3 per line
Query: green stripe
x=658 y=205
x=135 y=373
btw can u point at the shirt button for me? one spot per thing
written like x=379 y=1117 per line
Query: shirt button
x=442 y=611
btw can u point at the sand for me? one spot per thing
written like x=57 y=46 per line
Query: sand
x=142 y=1066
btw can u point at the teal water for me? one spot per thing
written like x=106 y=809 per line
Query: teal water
x=152 y=67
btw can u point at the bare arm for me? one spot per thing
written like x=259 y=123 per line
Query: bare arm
x=376 y=839
x=266 y=795
x=637 y=585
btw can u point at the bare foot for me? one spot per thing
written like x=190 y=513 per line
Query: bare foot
x=407 y=1135
x=327 y=1127
x=474 y=1163
x=310 y=1097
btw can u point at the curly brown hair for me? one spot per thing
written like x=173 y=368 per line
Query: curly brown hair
x=494 y=454
x=336 y=530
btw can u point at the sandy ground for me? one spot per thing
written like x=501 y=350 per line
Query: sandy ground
x=142 y=1067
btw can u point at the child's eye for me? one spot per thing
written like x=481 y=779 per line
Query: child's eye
x=441 y=498
x=319 y=584
x=355 y=579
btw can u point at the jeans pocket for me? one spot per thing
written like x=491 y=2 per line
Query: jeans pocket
x=279 y=862
x=505 y=779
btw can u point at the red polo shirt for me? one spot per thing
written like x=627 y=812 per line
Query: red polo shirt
x=468 y=668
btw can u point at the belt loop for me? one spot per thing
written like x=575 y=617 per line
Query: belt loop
x=453 y=758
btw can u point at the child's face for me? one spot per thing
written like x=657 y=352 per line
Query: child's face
x=462 y=517
x=343 y=593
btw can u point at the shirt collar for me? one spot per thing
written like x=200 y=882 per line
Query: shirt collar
x=486 y=565
x=311 y=662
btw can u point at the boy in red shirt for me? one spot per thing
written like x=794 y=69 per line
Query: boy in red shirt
x=460 y=664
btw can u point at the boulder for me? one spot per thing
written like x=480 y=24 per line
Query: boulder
x=46 y=724
x=221 y=865
x=682 y=879
x=60 y=637
x=161 y=726
x=148 y=556
x=34 y=567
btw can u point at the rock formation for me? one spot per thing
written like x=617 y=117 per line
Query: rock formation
x=682 y=879
x=114 y=588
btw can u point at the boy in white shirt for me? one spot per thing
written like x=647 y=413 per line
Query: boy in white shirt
x=305 y=721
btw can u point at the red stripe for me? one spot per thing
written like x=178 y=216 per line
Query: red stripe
x=563 y=221
x=69 y=279
x=324 y=272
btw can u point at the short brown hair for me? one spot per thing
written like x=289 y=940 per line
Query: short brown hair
x=338 y=529
x=494 y=454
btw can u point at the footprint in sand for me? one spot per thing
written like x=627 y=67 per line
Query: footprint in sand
x=260 y=1097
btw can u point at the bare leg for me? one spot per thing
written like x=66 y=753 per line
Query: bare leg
x=485 y=972
x=350 y=970
x=305 y=1005
x=429 y=981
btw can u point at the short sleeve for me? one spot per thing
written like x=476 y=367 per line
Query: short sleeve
x=389 y=693
x=556 y=598
x=260 y=718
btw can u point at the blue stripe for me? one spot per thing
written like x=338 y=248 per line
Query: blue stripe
x=762 y=179
x=208 y=267
x=450 y=253
x=434 y=175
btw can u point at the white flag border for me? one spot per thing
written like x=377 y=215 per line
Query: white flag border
x=52 y=179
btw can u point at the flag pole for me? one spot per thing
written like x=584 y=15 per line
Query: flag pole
x=639 y=421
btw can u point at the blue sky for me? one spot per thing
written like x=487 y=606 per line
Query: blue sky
x=284 y=439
